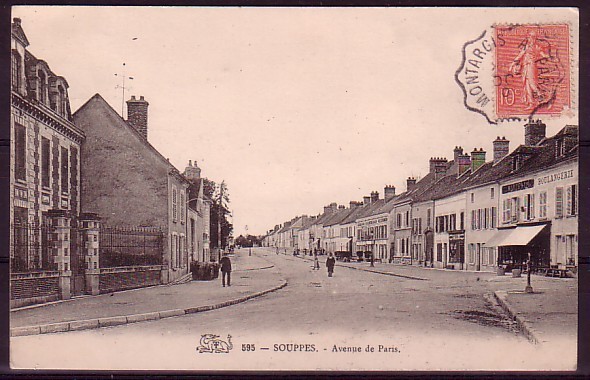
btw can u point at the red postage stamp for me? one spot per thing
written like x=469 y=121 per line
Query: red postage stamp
x=533 y=62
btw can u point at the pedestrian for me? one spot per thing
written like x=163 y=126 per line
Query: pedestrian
x=225 y=270
x=330 y=262
x=316 y=262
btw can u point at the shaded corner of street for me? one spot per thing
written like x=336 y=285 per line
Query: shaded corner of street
x=251 y=275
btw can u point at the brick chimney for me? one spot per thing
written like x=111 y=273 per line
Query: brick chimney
x=389 y=191
x=438 y=164
x=354 y=204
x=456 y=153
x=330 y=208
x=341 y=207
x=501 y=148
x=463 y=163
x=137 y=114
x=478 y=158
x=534 y=132
x=374 y=196
x=410 y=183
x=192 y=172
x=366 y=200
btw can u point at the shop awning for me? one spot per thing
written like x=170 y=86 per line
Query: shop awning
x=521 y=235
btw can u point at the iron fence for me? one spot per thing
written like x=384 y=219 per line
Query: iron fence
x=31 y=248
x=122 y=246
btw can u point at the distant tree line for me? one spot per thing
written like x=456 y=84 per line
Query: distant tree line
x=248 y=241
x=219 y=208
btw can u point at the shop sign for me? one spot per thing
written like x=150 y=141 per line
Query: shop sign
x=522 y=185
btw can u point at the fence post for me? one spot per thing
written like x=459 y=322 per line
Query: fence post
x=91 y=237
x=60 y=222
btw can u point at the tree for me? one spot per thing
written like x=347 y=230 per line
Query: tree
x=248 y=240
x=219 y=207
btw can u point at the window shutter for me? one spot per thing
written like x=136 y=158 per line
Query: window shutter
x=559 y=202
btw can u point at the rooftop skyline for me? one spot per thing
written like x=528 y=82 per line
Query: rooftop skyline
x=293 y=108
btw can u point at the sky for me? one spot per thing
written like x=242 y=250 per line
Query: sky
x=294 y=108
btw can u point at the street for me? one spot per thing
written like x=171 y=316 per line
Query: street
x=316 y=322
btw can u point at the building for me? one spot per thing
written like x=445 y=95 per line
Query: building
x=128 y=183
x=45 y=145
x=199 y=213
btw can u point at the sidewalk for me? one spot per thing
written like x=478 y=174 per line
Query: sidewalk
x=547 y=316
x=251 y=278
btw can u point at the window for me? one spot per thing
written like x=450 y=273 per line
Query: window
x=174 y=204
x=506 y=210
x=62 y=101
x=559 y=202
x=182 y=206
x=399 y=220
x=472 y=219
x=485 y=218
x=453 y=222
x=439 y=252
x=15 y=71
x=462 y=220
x=42 y=91
x=65 y=168
x=543 y=204
x=492 y=193
x=20 y=152
x=494 y=217
x=559 y=148
x=515 y=201
x=529 y=206
x=45 y=161
x=428 y=217
x=571 y=204
x=407 y=219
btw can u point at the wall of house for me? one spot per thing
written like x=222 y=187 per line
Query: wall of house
x=454 y=204
x=482 y=215
x=123 y=181
x=420 y=212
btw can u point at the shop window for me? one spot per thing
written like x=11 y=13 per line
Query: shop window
x=20 y=152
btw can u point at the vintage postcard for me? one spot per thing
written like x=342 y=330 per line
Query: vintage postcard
x=226 y=188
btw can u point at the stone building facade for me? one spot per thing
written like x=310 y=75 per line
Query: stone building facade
x=44 y=149
x=128 y=182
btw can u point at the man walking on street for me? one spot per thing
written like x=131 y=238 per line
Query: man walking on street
x=316 y=262
x=330 y=262
x=225 y=270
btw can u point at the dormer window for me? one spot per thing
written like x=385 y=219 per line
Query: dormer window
x=42 y=91
x=559 y=148
x=61 y=100
x=15 y=71
x=515 y=164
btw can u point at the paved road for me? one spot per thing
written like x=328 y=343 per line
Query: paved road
x=441 y=323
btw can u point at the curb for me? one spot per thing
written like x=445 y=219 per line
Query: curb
x=376 y=271
x=126 y=319
x=524 y=325
x=250 y=269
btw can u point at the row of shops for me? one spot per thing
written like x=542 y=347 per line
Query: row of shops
x=465 y=214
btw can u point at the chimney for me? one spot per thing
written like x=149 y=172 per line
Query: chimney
x=456 y=153
x=354 y=204
x=463 y=163
x=330 y=208
x=137 y=114
x=192 y=172
x=410 y=183
x=341 y=207
x=438 y=164
x=534 y=132
x=478 y=158
x=501 y=148
x=389 y=191
x=366 y=199
x=374 y=196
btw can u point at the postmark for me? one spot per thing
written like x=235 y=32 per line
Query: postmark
x=515 y=72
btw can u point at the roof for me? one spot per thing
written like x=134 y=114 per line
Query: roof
x=339 y=216
x=18 y=32
x=99 y=100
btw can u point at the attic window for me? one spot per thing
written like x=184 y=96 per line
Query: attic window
x=15 y=71
x=515 y=164
x=42 y=91
x=559 y=148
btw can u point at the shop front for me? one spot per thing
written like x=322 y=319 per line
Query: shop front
x=456 y=249
x=515 y=244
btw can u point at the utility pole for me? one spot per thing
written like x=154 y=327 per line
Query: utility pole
x=219 y=219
